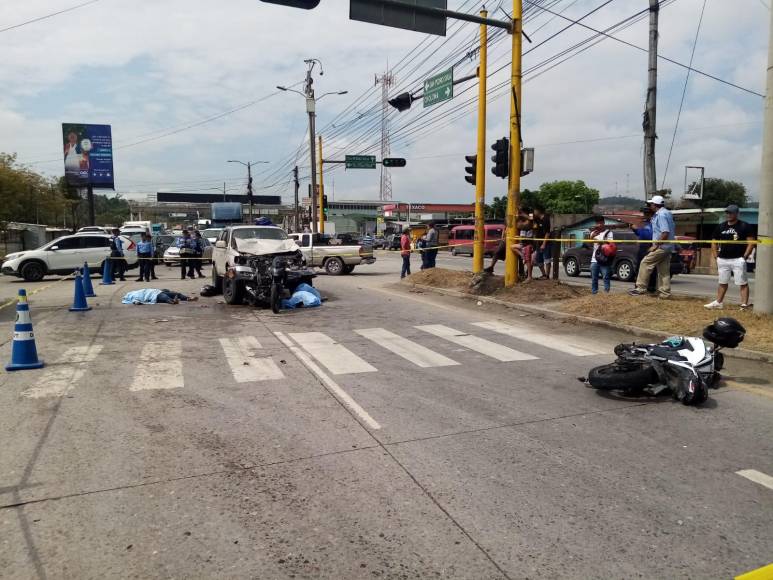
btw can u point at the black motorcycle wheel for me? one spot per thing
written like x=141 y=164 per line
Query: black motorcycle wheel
x=276 y=298
x=719 y=361
x=698 y=396
x=619 y=377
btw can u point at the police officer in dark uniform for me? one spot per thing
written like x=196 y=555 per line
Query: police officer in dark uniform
x=199 y=258
x=187 y=251
x=116 y=256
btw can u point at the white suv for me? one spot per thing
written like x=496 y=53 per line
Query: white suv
x=65 y=254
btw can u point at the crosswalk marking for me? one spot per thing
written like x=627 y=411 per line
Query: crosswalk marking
x=757 y=477
x=563 y=343
x=338 y=359
x=409 y=350
x=241 y=354
x=160 y=366
x=61 y=377
x=481 y=345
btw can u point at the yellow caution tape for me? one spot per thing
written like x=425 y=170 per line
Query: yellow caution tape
x=33 y=292
x=764 y=573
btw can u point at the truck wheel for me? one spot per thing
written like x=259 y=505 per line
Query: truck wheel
x=233 y=291
x=334 y=266
x=276 y=298
x=217 y=281
x=33 y=271
x=348 y=269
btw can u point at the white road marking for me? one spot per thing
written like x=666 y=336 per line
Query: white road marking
x=568 y=344
x=338 y=359
x=160 y=366
x=481 y=345
x=60 y=378
x=409 y=350
x=329 y=383
x=246 y=367
x=757 y=477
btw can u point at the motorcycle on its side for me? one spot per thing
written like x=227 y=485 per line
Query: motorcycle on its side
x=685 y=365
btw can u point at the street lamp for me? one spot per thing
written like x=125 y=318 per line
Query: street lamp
x=248 y=165
x=311 y=101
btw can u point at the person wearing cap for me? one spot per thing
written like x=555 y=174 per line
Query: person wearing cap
x=731 y=257
x=659 y=254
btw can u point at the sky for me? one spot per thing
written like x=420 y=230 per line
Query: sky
x=189 y=84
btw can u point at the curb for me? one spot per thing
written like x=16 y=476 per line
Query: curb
x=738 y=353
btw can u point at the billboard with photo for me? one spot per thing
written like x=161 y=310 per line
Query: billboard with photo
x=88 y=155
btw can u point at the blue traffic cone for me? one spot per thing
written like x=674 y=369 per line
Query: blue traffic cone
x=88 y=289
x=24 y=354
x=107 y=273
x=79 y=303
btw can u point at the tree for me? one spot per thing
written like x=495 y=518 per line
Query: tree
x=567 y=197
x=721 y=193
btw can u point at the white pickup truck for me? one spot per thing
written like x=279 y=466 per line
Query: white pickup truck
x=321 y=251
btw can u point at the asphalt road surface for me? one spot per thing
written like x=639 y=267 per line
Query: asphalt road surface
x=387 y=434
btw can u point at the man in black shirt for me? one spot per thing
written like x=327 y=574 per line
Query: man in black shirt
x=731 y=257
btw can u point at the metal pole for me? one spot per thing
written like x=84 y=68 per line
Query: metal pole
x=92 y=211
x=224 y=191
x=321 y=191
x=297 y=214
x=480 y=173
x=249 y=187
x=311 y=110
x=514 y=185
x=763 y=299
x=650 y=113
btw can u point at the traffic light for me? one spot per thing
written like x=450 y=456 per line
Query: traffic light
x=502 y=158
x=305 y=4
x=472 y=169
x=402 y=102
x=324 y=202
x=393 y=162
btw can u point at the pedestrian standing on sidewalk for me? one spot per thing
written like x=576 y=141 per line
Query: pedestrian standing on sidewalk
x=431 y=237
x=198 y=260
x=659 y=255
x=600 y=263
x=187 y=251
x=543 y=255
x=731 y=257
x=144 y=257
x=116 y=256
x=405 y=252
x=644 y=233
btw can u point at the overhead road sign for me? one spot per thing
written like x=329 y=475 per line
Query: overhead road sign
x=360 y=162
x=439 y=88
x=407 y=14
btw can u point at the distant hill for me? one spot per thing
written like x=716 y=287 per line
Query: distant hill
x=620 y=202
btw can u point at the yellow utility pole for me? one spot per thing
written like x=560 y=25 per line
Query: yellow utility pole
x=514 y=185
x=321 y=191
x=480 y=172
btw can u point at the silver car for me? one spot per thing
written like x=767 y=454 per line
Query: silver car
x=172 y=253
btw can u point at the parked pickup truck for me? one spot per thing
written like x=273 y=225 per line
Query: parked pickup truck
x=320 y=251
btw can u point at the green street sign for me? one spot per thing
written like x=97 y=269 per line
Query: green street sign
x=439 y=88
x=360 y=161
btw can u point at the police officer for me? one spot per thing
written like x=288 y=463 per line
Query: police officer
x=145 y=256
x=187 y=251
x=117 y=256
x=199 y=247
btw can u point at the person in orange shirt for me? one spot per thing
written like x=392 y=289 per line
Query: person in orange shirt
x=405 y=252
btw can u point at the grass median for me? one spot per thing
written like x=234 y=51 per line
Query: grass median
x=677 y=316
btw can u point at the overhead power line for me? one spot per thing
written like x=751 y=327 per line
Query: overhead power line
x=47 y=16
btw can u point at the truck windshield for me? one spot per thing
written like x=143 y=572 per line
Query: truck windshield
x=260 y=234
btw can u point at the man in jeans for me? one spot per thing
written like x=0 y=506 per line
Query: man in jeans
x=731 y=258
x=405 y=252
x=431 y=248
x=659 y=255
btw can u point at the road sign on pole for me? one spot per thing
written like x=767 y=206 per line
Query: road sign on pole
x=360 y=161
x=439 y=88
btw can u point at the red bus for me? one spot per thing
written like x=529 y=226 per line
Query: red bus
x=461 y=239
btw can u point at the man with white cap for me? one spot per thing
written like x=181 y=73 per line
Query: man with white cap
x=659 y=255
x=731 y=257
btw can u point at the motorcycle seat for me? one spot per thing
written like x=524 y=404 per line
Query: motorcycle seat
x=669 y=352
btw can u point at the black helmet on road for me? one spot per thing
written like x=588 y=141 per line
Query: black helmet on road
x=727 y=332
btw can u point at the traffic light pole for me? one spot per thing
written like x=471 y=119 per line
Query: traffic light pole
x=480 y=167
x=321 y=192
x=514 y=185
x=297 y=211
